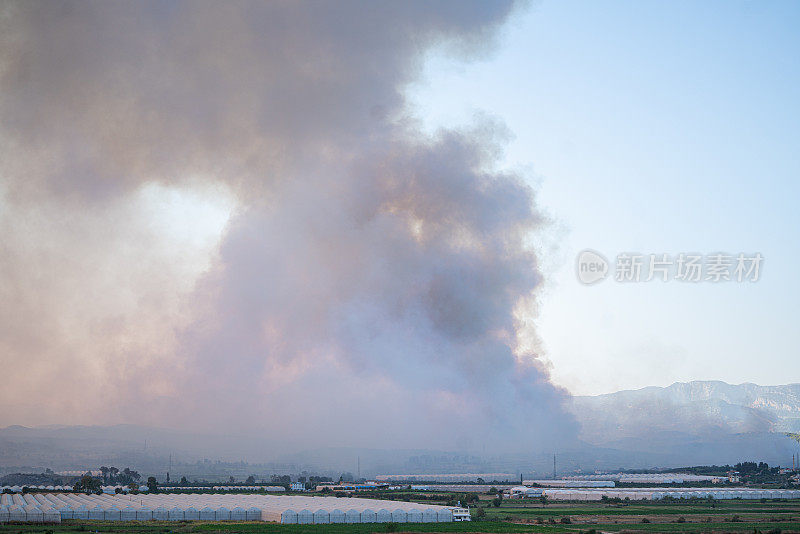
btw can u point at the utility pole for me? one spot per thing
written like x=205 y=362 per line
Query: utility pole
x=554 y=466
x=358 y=469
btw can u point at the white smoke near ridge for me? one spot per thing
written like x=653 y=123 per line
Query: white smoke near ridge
x=367 y=288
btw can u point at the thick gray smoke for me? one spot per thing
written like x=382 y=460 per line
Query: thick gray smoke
x=370 y=285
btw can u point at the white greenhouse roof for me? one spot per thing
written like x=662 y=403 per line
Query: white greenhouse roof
x=220 y=507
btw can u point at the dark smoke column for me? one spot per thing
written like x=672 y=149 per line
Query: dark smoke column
x=370 y=285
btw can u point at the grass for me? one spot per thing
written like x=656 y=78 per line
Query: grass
x=483 y=526
x=762 y=527
x=490 y=512
x=84 y=527
x=537 y=510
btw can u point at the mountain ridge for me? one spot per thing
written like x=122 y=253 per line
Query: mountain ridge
x=685 y=423
x=699 y=408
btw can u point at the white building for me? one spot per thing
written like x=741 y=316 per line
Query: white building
x=461 y=514
x=521 y=492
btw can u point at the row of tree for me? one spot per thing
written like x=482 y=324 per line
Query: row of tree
x=112 y=475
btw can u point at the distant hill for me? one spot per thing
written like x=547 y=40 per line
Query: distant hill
x=720 y=417
x=694 y=423
x=79 y=447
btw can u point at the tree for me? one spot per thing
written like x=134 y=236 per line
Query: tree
x=231 y=480
x=480 y=513
x=88 y=484
x=127 y=476
x=184 y=481
x=152 y=485
x=282 y=480
x=104 y=471
x=250 y=480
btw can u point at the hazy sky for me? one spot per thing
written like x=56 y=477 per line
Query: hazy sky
x=652 y=127
x=301 y=219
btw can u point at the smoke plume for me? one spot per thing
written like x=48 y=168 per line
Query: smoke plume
x=327 y=271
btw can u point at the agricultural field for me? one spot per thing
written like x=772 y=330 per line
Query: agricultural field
x=510 y=516
x=693 y=516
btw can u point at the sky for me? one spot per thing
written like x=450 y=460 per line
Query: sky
x=289 y=220
x=651 y=128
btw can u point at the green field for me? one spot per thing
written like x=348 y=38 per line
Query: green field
x=698 y=516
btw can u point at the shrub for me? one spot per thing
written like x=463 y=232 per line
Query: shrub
x=681 y=519
x=645 y=520
x=566 y=520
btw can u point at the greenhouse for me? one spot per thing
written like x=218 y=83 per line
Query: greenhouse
x=55 y=507
x=596 y=494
